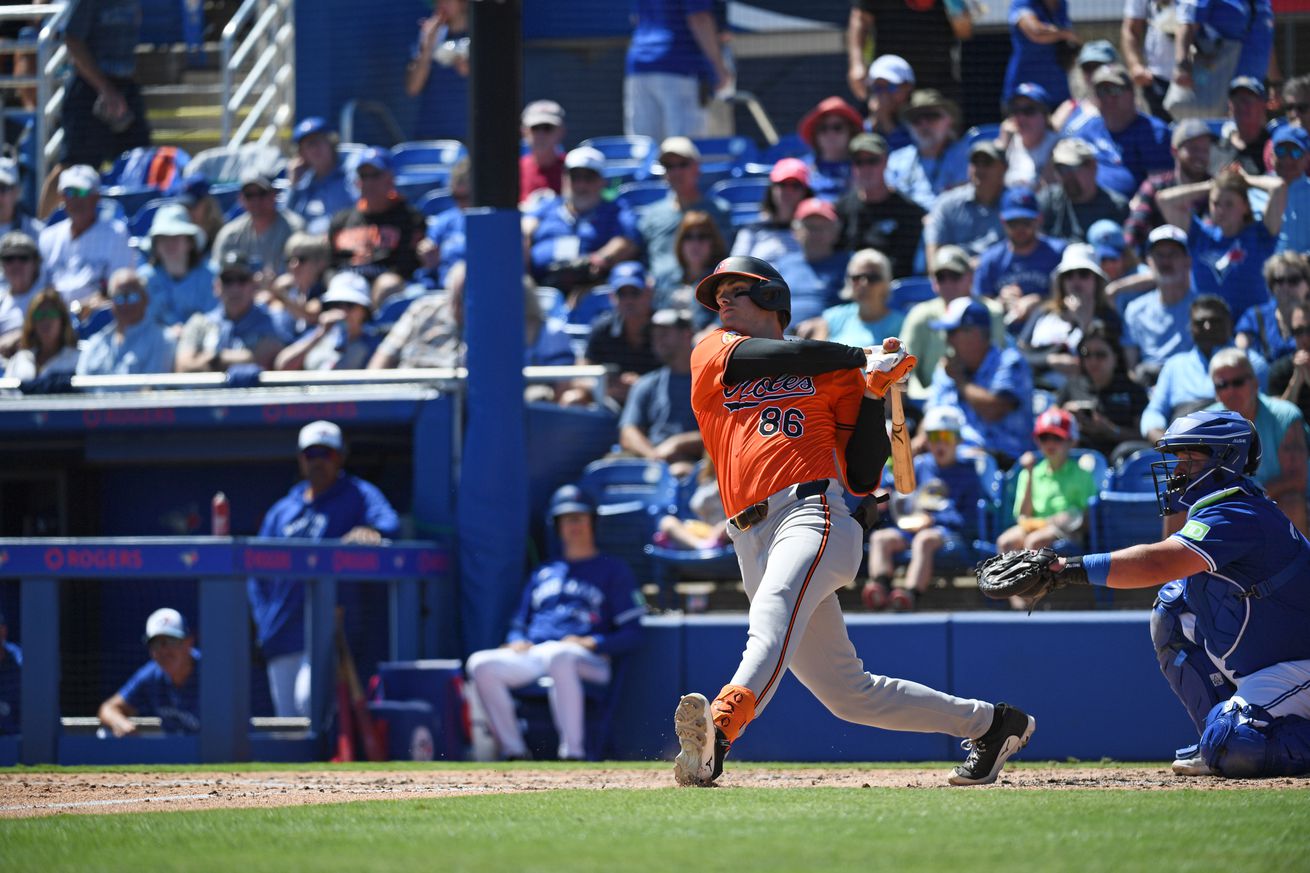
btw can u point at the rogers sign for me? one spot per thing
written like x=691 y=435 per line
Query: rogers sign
x=308 y=412
x=57 y=558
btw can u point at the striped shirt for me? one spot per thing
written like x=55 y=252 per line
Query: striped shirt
x=79 y=267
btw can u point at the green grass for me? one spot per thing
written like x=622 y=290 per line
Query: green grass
x=740 y=830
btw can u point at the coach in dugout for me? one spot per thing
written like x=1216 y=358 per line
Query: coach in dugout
x=327 y=504
x=167 y=686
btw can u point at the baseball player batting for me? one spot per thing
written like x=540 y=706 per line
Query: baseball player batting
x=791 y=425
x=1231 y=635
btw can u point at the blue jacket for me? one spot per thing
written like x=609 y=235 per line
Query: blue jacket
x=597 y=597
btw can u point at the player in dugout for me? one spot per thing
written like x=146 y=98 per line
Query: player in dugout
x=791 y=425
x=1229 y=625
x=167 y=686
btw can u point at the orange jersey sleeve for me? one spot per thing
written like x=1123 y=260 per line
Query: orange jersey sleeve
x=766 y=434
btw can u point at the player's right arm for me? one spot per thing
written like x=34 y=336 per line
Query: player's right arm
x=116 y=714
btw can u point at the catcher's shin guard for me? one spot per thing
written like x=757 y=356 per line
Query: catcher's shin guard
x=1196 y=680
x=733 y=709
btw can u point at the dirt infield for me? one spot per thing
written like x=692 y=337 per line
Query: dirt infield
x=24 y=795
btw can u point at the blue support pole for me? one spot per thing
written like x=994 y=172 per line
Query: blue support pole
x=320 y=622
x=39 y=607
x=225 y=671
x=436 y=442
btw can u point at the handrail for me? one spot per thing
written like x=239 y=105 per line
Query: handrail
x=346 y=124
x=272 y=77
x=49 y=96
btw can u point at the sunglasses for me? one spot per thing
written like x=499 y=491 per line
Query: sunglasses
x=542 y=128
x=127 y=298
x=77 y=192
x=46 y=314
x=1238 y=382
x=15 y=259
x=884 y=87
x=368 y=175
x=235 y=278
x=698 y=237
x=942 y=436
x=1081 y=274
x=675 y=165
x=585 y=176
x=1277 y=280
x=1288 y=150
x=871 y=278
x=866 y=162
x=1303 y=330
x=1019 y=222
x=790 y=183
x=1111 y=90
x=947 y=276
x=1298 y=108
x=1097 y=355
x=629 y=291
x=833 y=127
x=927 y=116
x=1050 y=438
x=1026 y=109
x=316 y=453
x=255 y=193
x=1208 y=321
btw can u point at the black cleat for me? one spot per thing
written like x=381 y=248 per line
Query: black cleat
x=1009 y=733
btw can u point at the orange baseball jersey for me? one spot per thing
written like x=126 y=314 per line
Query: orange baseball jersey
x=767 y=434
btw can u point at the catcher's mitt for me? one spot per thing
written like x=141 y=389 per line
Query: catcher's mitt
x=1027 y=574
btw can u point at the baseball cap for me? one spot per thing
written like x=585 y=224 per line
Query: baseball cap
x=320 y=433
x=165 y=623
x=1293 y=134
x=828 y=106
x=311 y=125
x=1073 y=152
x=348 y=287
x=377 y=158
x=1249 y=83
x=671 y=318
x=542 y=112
x=628 y=274
x=790 y=168
x=1098 y=51
x=1107 y=239
x=872 y=143
x=1166 y=233
x=1056 y=421
x=1033 y=92
x=964 y=312
x=1079 y=257
x=891 y=68
x=1113 y=74
x=943 y=418
x=79 y=176
x=930 y=98
x=1018 y=203
x=1189 y=128
x=986 y=147
x=235 y=262
x=255 y=177
x=569 y=499
x=194 y=189
x=814 y=206
x=174 y=220
x=8 y=172
x=951 y=258
x=18 y=243
x=585 y=158
x=680 y=146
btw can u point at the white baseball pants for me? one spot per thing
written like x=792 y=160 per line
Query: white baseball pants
x=288 y=684
x=660 y=105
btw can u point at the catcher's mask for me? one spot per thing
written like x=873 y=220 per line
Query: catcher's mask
x=768 y=289
x=1232 y=449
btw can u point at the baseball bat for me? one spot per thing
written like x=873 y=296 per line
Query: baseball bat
x=902 y=459
x=373 y=748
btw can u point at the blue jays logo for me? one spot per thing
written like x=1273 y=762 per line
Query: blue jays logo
x=753 y=392
x=1229 y=260
x=189 y=558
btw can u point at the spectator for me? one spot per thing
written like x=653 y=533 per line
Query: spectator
x=20 y=267
x=952 y=279
x=1184 y=385
x=938 y=160
x=1296 y=100
x=875 y=216
x=1245 y=135
x=1017 y=270
x=1146 y=36
x=446 y=242
x=576 y=613
x=1268 y=328
x=297 y=294
x=890 y=83
x=49 y=343
x=1228 y=247
x=828 y=129
x=579 y=230
x=620 y=338
x=709 y=528
x=319 y=189
x=1191 y=144
x=1105 y=402
x=698 y=246
x=1206 y=24
x=927 y=35
x=131 y=343
x=442 y=104
x=1050 y=501
x=546 y=342
x=167 y=686
x=178 y=280
x=815 y=273
x=1129 y=145
x=11 y=682
x=1289 y=376
x=202 y=208
x=381 y=232
x=1026 y=137
x=430 y=333
x=103 y=114
x=1082 y=104
x=326 y=504
x=1292 y=162
x=339 y=340
x=1040 y=32
x=541 y=168
x=867 y=319
x=1156 y=323
x=1072 y=206
x=969 y=216
x=991 y=386
x=81 y=251
x=657 y=422
x=658 y=223
x=12 y=215
x=1290 y=147
x=237 y=331
x=1110 y=252
x=1050 y=336
x=671 y=44
x=260 y=234
x=1279 y=424
x=948 y=493
x=770 y=238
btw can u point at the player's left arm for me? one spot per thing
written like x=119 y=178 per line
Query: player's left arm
x=755 y=358
x=868 y=447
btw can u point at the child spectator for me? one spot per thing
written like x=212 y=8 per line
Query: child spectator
x=1050 y=501
x=709 y=528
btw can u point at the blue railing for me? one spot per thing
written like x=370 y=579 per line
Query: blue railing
x=221 y=565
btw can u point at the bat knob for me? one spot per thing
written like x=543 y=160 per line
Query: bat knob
x=891 y=344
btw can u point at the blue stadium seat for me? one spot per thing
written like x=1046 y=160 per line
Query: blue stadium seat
x=226 y=195
x=158 y=167
x=435 y=202
x=551 y=301
x=722 y=157
x=415 y=187
x=635 y=195
x=139 y=225
x=627 y=158
x=631 y=495
x=1124 y=518
x=95 y=323
x=1133 y=473
x=601 y=703
x=906 y=292
x=740 y=198
x=394 y=307
x=790 y=145
x=427 y=156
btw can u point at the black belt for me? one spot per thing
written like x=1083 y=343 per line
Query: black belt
x=757 y=512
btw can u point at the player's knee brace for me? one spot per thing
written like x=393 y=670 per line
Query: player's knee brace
x=1185 y=665
x=1242 y=741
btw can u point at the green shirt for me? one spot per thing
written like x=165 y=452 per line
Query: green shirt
x=1054 y=491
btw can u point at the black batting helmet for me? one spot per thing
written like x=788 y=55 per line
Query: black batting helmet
x=769 y=290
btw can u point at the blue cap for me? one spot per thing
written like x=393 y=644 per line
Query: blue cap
x=1018 y=203
x=374 y=157
x=313 y=124
x=1250 y=83
x=1293 y=134
x=1105 y=233
x=1098 y=51
x=964 y=312
x=628 y=273
x=194 y=189
x=1033 y=92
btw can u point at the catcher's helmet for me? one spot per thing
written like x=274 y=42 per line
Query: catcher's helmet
x=768 y=291
x=1229 y=439
x=569 y=498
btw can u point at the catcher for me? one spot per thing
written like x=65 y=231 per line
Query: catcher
x=1230 y=632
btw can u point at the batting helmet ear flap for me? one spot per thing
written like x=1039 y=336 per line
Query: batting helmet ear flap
x=1252 y=452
